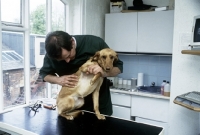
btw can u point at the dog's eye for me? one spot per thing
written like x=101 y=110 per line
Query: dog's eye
x=111 y=57
x=104 y=57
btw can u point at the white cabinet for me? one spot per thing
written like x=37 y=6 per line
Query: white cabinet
x=151 y=110
x=164 y=125
x=155 y=31
x=121 y=31
x=142 y=32
x=121 y=105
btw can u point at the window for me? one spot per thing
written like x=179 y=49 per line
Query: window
x=11 y=13
x=42 y=48
x=13 y=69
x=38 y=32
x=22 y=54
x=38 y=17
x=58 y=15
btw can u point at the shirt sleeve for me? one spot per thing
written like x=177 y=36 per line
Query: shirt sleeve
x=47 y=68
x=119 y=64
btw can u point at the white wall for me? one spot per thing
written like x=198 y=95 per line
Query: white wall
x=185 y=70
x=94 y=17
x=88 y=16
x=75 y=15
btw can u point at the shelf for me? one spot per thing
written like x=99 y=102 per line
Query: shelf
x=190 y=100
x=128 y=11
x=193 y=52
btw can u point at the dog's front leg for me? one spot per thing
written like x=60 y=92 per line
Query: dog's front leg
x=97 y=76
x=96 y=103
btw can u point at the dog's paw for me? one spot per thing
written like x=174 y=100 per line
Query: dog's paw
x=100 y=117
x=69 y=117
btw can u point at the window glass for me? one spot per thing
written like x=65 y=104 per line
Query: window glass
x=58 y=15
x=37 y=50
x=11 y=11
x=38 y=16
x=13 y=68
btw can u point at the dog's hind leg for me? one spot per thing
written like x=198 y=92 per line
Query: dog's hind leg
x=67 y=106
x=71 y=115
x=74 y=114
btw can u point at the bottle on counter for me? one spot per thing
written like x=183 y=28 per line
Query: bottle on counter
x=162 y=87
x=167 y=89
x=133 y=83
x=119 y=83
x=128 y=85
x=115 y=81
x=124 y=84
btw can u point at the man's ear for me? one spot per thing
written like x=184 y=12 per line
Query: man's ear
x=96 y=56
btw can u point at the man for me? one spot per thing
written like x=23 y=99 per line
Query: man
x=65 y=54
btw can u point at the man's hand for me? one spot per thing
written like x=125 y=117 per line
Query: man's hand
x=68 y=80
x=94 y=69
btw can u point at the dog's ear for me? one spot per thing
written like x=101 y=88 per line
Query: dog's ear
x=115 y=58
x=96 y=56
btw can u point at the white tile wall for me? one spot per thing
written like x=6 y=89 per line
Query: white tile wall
x=155 y=68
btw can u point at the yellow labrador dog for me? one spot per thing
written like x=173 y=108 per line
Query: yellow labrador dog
x=70 y=99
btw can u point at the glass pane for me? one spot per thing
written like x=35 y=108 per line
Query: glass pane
x=37 y=50
x=58 y=15
x=38 y=16
x=13 y=68
x=11 y=11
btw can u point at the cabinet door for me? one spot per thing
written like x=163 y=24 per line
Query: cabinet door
x=164 y=125
x=150 y=108
x=155 y=32
x=121 y=31
x=121 y=112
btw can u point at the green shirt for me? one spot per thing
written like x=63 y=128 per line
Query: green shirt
x=86 y=47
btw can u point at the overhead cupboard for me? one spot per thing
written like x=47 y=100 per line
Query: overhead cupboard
x=142 y=32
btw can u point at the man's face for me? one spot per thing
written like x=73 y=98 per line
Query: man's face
x=68 y=55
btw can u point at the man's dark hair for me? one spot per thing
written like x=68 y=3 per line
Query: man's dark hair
x=55 y=41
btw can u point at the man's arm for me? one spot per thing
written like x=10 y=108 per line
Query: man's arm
x=66 y=80
x=114 y=72
x=51 y=79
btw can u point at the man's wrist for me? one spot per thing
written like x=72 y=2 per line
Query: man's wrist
x=104 y=74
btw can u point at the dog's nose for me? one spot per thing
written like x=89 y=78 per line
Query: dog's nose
x=108 y=68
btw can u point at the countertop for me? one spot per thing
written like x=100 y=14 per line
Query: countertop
x=47 y=122
x=136 y=92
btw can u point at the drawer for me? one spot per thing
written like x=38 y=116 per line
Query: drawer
x=121 y=112
x=121 y=99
